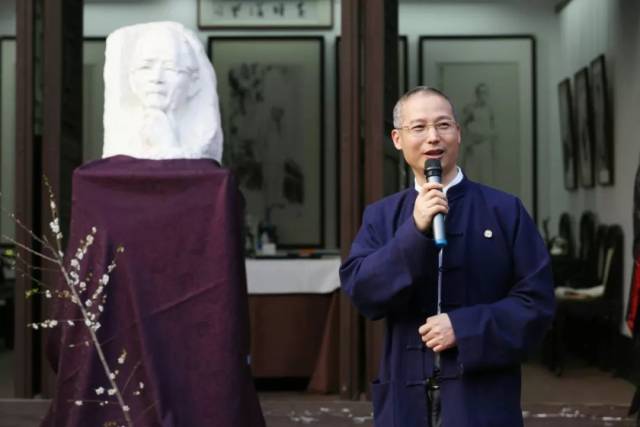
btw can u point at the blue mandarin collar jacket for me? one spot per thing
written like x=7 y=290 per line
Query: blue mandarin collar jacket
x=496 y=288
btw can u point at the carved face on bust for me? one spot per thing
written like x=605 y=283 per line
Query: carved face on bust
x=160 y=98
x=160 y=73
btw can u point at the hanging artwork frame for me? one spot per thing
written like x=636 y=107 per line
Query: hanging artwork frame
x=567 y=132
x=602 y=130
x=492 y=82
x=271 y=99
x=584 y=127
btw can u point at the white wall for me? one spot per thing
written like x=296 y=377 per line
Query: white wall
x=7 y=115
x=590 y=28
x=7 y=134
x=8 y=18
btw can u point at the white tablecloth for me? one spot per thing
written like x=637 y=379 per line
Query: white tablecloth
x=292 y=276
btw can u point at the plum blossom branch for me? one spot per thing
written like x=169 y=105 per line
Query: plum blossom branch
x=90 y=305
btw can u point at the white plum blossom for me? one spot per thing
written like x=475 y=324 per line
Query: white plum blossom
x=99 y=391
x=75 y=278
x=55 y=227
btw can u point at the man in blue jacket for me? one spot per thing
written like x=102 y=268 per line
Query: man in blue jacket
x=461 y=320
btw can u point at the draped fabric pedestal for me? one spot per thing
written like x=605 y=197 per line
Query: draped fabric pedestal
x=294 y=309
x=176 y=302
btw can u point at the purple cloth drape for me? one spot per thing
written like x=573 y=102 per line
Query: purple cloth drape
x=177 y=300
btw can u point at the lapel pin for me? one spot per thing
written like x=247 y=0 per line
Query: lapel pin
x=488 y=233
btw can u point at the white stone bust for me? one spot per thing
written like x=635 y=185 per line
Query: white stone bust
x=160 y=97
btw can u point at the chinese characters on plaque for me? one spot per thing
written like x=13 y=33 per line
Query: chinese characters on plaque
x=250 y=13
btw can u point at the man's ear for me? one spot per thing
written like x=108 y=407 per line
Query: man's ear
x=395 y=137
x=459 y=133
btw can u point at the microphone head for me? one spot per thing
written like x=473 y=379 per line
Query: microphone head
x=432 y=167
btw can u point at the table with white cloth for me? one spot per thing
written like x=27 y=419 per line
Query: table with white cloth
x=293 y=308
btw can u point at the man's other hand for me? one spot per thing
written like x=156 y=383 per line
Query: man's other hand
x=437 y=333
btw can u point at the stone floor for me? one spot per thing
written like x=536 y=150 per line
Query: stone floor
x=582 y=397
x=298 y=411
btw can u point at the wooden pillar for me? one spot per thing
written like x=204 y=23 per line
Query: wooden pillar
x=62 y=100
x=25 y=147
x=351 y=194
x=368 y=90
x=381 y=93
x=62 y=124
x=48 y=143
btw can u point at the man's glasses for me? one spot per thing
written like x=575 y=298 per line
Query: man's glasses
x=442 y=127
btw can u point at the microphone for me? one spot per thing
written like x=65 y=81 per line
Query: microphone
x=433 y=173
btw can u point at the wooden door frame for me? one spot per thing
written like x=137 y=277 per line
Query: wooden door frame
x=46 y=145
x=365 y=104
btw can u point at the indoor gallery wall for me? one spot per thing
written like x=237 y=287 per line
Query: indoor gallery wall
x=590 y=28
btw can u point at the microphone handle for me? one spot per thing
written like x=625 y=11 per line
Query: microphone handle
x=438 y=221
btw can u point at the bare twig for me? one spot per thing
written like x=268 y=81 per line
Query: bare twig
x=145 y=410
x=133 y=371
x=28 y=249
